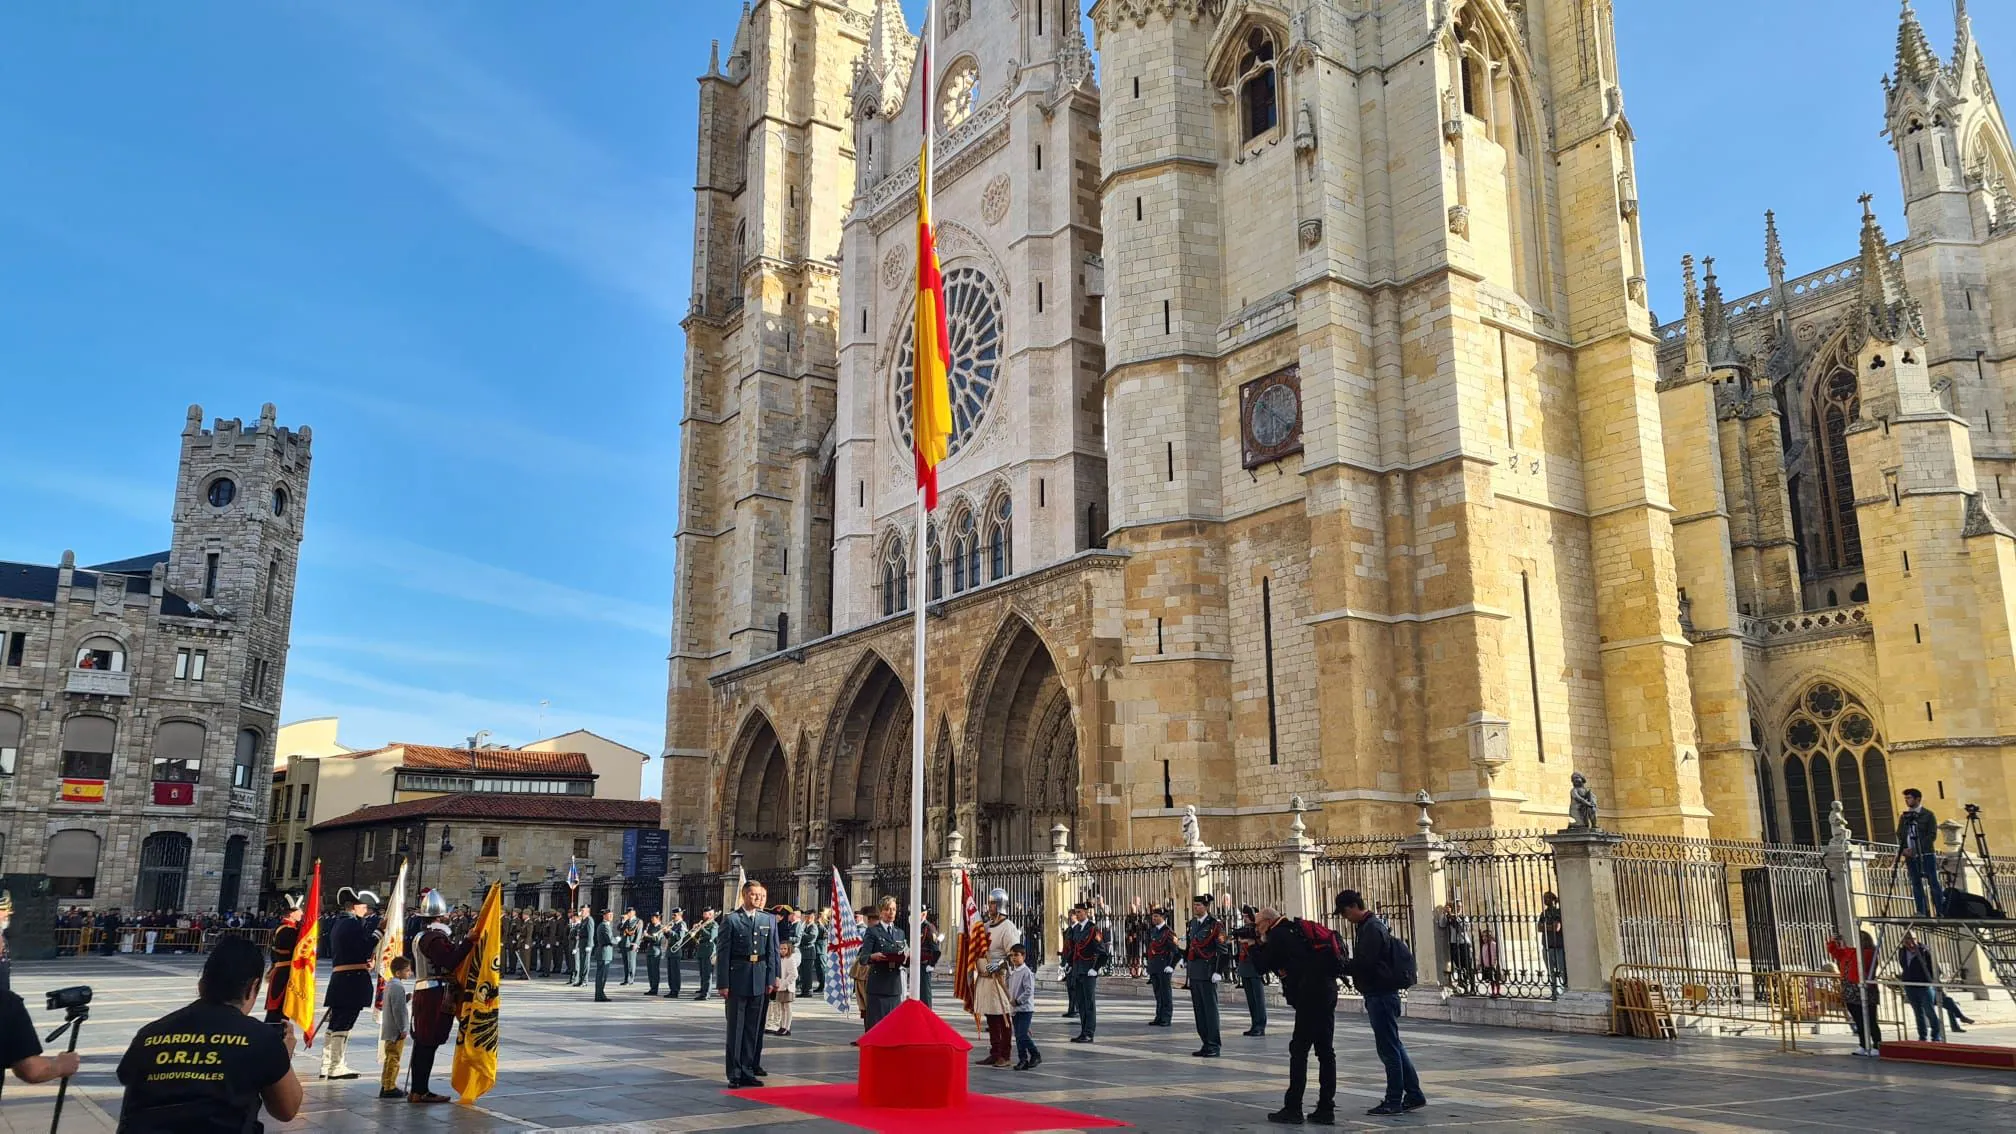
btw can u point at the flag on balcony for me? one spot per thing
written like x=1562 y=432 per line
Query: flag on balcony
x=845 y=945
x=299 y=1003
x=477 y=981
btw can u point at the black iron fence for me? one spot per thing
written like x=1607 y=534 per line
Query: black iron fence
x=1380 y=877
x=1124 y=886
x=1249 y=875
x=1675 y=912
x=699 y=892
x=1494 y=935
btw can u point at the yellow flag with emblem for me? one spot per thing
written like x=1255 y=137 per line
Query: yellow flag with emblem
x=477 y=982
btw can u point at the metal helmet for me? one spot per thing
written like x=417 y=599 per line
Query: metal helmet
x=434 y=904
x=998 y=897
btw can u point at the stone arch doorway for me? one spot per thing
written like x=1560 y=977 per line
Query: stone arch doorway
x=868 y=758
x=1022 y=746
x=762 y=797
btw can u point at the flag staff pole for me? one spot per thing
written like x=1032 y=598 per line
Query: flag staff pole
x=919 y=556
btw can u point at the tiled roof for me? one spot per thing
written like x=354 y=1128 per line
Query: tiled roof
x=31 y=582
x=556 y=809
x=138 y=565
x=431 y=758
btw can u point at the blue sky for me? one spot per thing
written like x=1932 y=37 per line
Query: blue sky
x=453 y=238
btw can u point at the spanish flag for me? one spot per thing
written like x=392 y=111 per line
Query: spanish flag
x=932 y=399
x=477 y=980
x=299 y=1003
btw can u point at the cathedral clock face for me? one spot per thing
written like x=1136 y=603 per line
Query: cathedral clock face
x=1270 y=412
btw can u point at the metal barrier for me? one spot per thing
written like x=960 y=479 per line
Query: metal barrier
x=1492 y=936
x=1675 y=912
x=1645 y=999
x=73 y=941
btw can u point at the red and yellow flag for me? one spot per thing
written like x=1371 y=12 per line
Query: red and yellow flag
x=931 y=400
x=299 y=1003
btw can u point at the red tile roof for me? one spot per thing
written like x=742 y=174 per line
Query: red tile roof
x=431 y=758
x=553 y=809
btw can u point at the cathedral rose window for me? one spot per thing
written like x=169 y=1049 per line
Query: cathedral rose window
x=960 y=94
x=973 y=320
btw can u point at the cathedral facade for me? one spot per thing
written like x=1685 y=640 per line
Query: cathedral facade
x=1313 y=436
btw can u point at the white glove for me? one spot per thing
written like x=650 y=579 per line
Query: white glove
x=1171 y=972
x=1215 y=978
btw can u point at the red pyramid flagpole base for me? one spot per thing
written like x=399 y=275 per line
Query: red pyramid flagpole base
x=913 y=1060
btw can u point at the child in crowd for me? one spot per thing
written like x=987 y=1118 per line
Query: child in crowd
x=392 y=1028
x=787 y=980
x=1022 y=1003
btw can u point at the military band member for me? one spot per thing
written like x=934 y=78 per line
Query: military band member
x=746 y=968
x=1251 y=981
x=1204 y=946
x=704 y=937
x=607 y=937
x=1084 y=952
x=584 y=946
x=812 y=955
x=1159 y=954
x=676 y=934
x=436 y=956
x=990 y=996
x=886 y=951
x=651 y=942
x=351 y=943
x=280 y=948
x=933 y=947
x=627 y=933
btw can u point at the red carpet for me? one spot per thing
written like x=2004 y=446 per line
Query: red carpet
x=979 y=1114
x=1952 y=1054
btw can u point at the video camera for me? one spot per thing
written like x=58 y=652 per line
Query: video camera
x=74 y=1001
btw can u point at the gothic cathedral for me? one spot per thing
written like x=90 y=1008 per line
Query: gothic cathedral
x=1314 y=437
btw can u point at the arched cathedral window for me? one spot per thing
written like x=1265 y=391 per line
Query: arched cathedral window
x=1257 y=84
x=1836 y=404
x=1767 y=794
x=1001 y=542
x=895 y=579
x=934 y=570
x=1833 y=750
x=965 y=546
x=973 y=324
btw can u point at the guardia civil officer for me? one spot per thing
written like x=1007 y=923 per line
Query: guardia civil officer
x=1160 y=955
x=245 y=1061
x=705 y=936
x=606 y=940
x=1204 y=947
x=627 y=932
x=746 y=968
x=1084 y=952
x=676 y=934
x=885 y=951
x=580 y=937
x=351 y=942
x=650 y=942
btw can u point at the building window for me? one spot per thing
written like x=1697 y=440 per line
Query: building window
x=296 y=871
x=87 y=748
x=17 y=644
x=190 y=664
x=895 y=579
x=266 y=601
x=962 y=536
x=974 y=332
x=234 y=869
x=1258 y=101
x=222 y=492
x=286 y=808
x=210 y=575
x=490 y=846
x=280 y=502
x=1833 y=750
x=934 y=571
x=369 y=849
x=1836 y=404
x=580 y=848
x=245 y=759
x=11 y=728
x=103 y=654
x=71 y=862
x=302 y=812
x=1001 y=541
x=783 y=630
x=178 y=753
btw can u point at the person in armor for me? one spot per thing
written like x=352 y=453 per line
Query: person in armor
x=1084 y=952
x=990 y=994
x=280 y=951
x=886 y=952
x=436 y=955
x=351 y=943
x=1159 y=955
x=1204 y=947
x=675 y=948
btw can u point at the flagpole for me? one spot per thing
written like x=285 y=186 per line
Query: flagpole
x=918 y=558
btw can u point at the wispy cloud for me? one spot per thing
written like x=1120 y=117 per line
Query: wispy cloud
x=456 y=576
x=377 y=710
x=517 y=165
x=402 y=653
x=151 y=502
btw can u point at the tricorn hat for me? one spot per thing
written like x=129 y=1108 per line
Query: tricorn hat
x=346 y=897
x=292 y=902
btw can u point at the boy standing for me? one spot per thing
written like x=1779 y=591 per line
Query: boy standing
x=392 y=1028
x=1022 y=1006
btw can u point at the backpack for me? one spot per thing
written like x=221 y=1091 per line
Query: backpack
x=1324 y=943
x=1392 y=972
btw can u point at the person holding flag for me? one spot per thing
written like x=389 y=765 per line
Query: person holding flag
x=478 y=982
x=991 y=975
x=280 y=951
x=973 y=940
x=391 y=935
x=437 y=957
x=844 y=947
x=298 y=1004
x=351 y=989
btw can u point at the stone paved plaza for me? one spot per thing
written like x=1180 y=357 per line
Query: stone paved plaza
x=641 y=1064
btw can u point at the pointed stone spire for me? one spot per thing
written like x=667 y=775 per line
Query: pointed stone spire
x=1963 y=31
x=1916 y=62
x=1697 y=333
x=1885 y=310
x=714 y=58
x=1721 y=342
x=883 y=73
x=1774 y=252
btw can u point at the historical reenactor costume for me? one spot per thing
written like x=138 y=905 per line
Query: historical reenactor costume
x=746 y=967
x=352 y=941
x=990 y=993
x=1204 y=947
x=436 y=956
x=1084 y=952
x=885 y=951
x=280 y=951
x=1159 y=955
x=676 y=933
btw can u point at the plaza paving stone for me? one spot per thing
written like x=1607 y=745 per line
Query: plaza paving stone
x=644 y=1064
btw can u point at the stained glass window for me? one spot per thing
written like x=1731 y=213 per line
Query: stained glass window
x=973 y=321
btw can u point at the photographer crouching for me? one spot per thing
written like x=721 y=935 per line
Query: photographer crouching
x=1306 y=955
x=209 y=1066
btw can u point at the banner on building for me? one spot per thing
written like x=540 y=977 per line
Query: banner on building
x=83 y=791
x=647 y=851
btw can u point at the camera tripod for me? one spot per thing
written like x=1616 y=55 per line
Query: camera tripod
x=1975 y=832
x=73 y=1022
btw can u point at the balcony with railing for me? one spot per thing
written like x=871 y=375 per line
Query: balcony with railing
x=1809 y=625
x=99 y=682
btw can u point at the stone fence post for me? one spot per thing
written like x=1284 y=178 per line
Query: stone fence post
x=950 y=902
x=1428 y=891
x=1060 y=892
x=1585 y=872
x=1190 y=874
x=1848 y=874
x=1298 y=870
x=731 y=883
x=808 y=880
x=861 y=881
x=668 y=888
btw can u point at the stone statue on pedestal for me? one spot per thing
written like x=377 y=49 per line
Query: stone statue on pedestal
x=1837 y=824
x=1193 y=836
x=1581 y=805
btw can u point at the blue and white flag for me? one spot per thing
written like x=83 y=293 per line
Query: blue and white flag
x=573 y=874
x=844 y=944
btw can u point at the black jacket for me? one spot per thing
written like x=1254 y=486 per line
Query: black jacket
x=1368 y=954
x=1305 y=977
x=1926 y=827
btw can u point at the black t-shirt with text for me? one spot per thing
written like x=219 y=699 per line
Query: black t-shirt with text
x=199 y=1068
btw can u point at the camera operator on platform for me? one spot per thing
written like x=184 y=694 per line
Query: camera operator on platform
x=210 y=1066
x=20 y=1047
